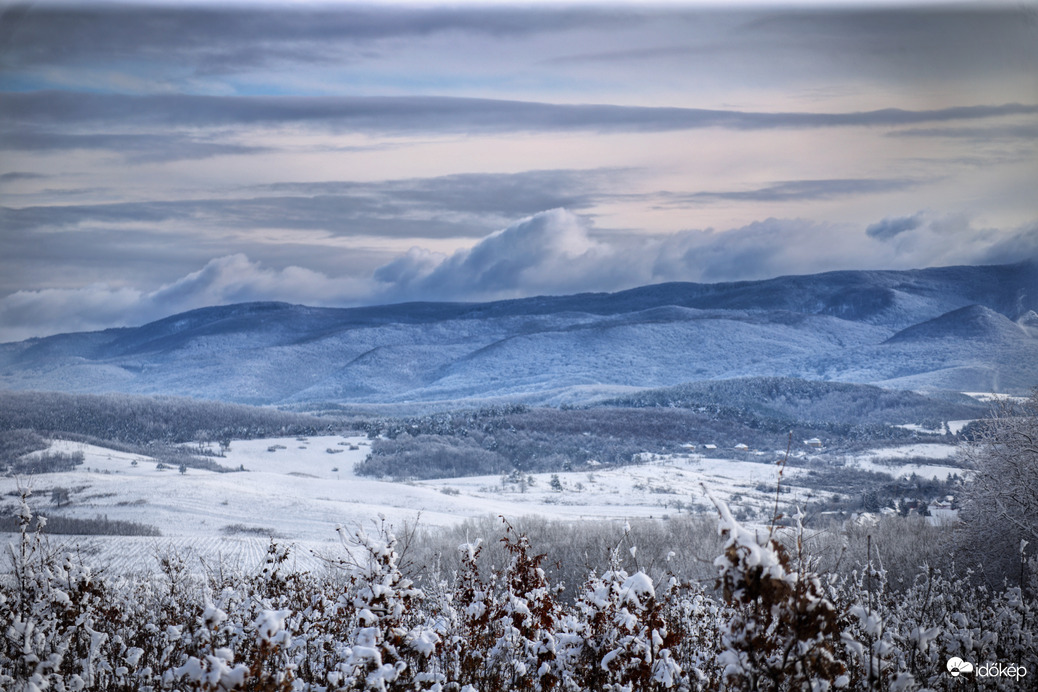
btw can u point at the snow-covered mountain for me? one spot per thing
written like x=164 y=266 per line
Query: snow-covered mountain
x=964 y=328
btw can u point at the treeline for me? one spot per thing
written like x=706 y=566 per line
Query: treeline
x=48 y=462
x=141 y=420
x=530 y=440
x=808 y=401
x=16 y=444
x=838 y=493
x=17 y=458
x=763 y=621
x=99 y=525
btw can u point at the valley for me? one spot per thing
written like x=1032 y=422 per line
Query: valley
x=298 y=489
x=270 y=462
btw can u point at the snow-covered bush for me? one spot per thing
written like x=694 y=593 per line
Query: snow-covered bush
x=769 y=623
x=526 y=620
x=391 y=647
x=621 y=633
x=786 y=632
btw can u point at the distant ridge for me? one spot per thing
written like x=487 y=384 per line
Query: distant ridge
x=950 y=328
x=970 y=322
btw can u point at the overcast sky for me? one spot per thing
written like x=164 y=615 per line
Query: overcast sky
x=156 y=158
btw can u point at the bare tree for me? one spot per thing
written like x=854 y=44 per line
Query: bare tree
x=1000 y=512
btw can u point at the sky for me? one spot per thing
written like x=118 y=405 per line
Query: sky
x=161 y=157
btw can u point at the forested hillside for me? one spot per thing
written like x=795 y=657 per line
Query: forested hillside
x=157 y=426
x=141 y=419
x=954 y=328
x=761 y=413
x=785 y=398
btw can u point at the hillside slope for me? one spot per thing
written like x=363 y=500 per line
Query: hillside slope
x=945 y=328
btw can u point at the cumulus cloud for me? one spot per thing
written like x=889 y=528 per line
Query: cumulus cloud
x=547 y=252
x=775 y=247
x=237 y=279
x=405 y=271
x=225 y=280
x=956 y=239
x=27 y=314
x=552 y=252
x=761 y=249
x=888 y=228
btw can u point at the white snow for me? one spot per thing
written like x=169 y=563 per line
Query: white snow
x=994 y=396
x=301 y=492
x=869 y=461
x=920 y=429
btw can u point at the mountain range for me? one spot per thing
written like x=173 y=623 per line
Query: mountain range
x=952 y=328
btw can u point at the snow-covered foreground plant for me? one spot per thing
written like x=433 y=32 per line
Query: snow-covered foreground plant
x=767 y=623
x=785 y=632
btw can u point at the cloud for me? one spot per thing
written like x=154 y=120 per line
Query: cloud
x=237 y=279
x=224 y=280
x=60 y=216
x=552 y=252
x=913 y=43
x=465 y=205
x=735 y=46
x=50 y=111
x=801 y=190
x=504 y=194
x=402 y=274
x=219 y=39
x=27 y=314
x=545 y=253
x=776 y=247
x=15 y=176
x=910 y=43
x=888 y=228
x=136 y=148
x=990 y=133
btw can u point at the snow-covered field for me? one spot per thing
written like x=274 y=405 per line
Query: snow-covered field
x=300 y=489
x=886 y=460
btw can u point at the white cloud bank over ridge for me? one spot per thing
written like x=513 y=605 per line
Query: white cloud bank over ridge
x=553 y=252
